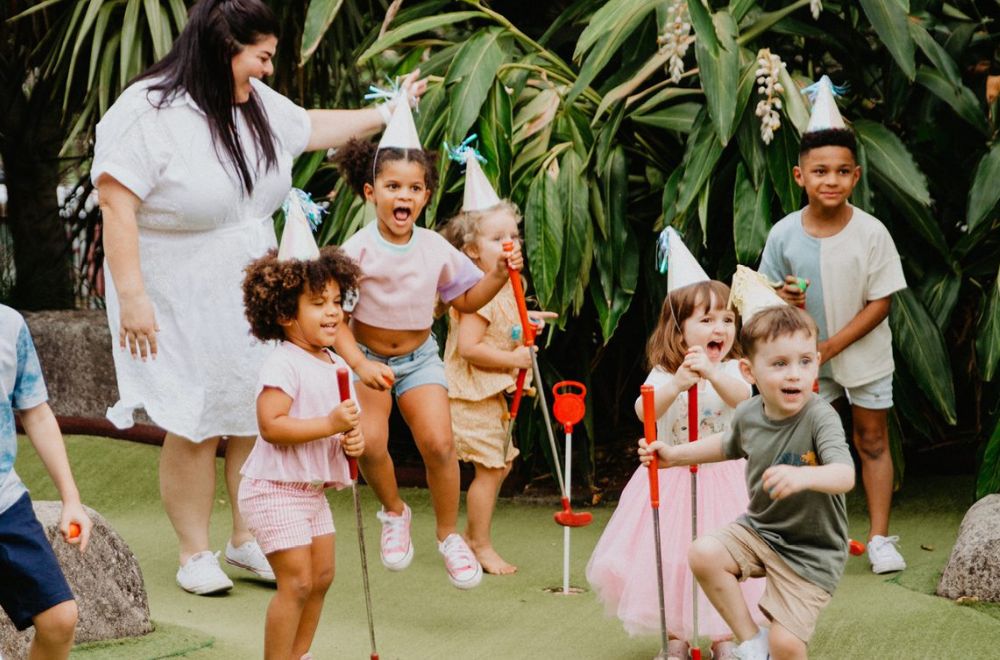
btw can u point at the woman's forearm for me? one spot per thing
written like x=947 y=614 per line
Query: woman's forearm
x=333 y=128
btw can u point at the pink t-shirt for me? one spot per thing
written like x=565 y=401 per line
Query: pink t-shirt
x=399 y=283
x=312 y=384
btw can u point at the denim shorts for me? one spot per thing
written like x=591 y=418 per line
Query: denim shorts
x=32 y=580
x=876 y=395
x=423 y=366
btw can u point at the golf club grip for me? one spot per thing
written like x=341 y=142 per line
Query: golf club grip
x=649 y=431
x=344 y=385
x=693 y=418
x=522 y=307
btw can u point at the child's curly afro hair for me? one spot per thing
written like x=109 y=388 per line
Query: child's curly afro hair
x=271 y=288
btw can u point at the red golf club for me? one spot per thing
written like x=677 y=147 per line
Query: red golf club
x=569 y=407
x=567 y=517
x=649 y=431
x=344 y=385
x=692 y=437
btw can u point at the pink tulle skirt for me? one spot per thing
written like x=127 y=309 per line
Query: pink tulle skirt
x=622 y=569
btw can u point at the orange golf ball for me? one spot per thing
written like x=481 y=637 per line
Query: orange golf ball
x=74 y=530
x=856 y=548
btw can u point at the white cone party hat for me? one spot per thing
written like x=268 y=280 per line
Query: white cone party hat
x=674 y=258
x=479 y=194
x=297 y=240
x=401 y=132
x=825 y=113
x=751 y=292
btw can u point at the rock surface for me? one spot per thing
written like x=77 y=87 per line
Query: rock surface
x=106 y=581
x=973 y=570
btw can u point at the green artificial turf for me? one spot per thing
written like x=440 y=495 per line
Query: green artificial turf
x=419 y=615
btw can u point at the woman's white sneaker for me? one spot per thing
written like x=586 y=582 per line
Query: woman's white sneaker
x=463 y=568
x=202 y=575
x=395 y=546
x=250 y=557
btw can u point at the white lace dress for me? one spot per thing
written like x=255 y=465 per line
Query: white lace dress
x=197 y=231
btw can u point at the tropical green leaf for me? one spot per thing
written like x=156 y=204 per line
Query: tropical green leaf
x=664 y=95
x=939 y=293
x=888 y=155
x=130 y=35
x=985 y=191
x=988 y=479
x=719 y=69
x=751 y=216
x=922 y=347
x=961 y=99
x=679 y=117
x=700 y=156
x=159 y=27
x=417 y=26
x=701 y=20
x=179 y=12
x=782 y=155
x=496 y=133
x=543 y=233
x=319 y=16
x=988 y=335
x=917 y=215
x=861 y=197
x=609 y=309
x=608 y=18
x=890 y=21
x=936 y=53
x=652 y=65
x=739 y=8
x=99 y=39
x=579 y=229
x=896 y=450
x=794 y=104
x=476 y=64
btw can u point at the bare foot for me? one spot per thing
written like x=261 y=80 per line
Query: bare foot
x=491 y=562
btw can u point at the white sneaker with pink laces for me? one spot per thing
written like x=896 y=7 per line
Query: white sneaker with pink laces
x=463 y=568
x=396 y=548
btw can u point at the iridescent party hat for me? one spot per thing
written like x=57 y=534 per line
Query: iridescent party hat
x=825 y=113
x=297 y=240
x=401 y=132
x=674 y=259
x=479 y=194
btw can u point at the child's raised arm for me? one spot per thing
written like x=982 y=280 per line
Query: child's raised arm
x=485 y=289
x=278 y=428
x=706 y=450
x=43 y=431
x=375 y=375
x=780 y=481
x=666 y=393
x=731 y=389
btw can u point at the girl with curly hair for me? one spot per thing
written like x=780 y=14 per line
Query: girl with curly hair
x=305 y=433
x=389 y=344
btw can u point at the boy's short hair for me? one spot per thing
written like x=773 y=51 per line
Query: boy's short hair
x=829 y=137
x=774 y=322
x=271 y=288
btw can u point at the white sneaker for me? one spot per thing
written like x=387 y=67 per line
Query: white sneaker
x=395 y=545
x=250 y=557
x=201 y=575
x=757 y=648
x=884 y=556
x=463 y=568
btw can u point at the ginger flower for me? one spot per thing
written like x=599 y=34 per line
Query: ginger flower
x=767 y=73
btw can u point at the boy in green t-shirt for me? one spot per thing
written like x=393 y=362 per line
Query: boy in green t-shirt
x=798 y=468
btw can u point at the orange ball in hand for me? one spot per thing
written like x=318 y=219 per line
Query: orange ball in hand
x=74 y=530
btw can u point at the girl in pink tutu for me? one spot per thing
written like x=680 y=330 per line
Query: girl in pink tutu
x=692 y=343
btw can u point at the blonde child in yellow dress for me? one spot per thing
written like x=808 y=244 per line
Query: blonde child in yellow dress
x=482 y=356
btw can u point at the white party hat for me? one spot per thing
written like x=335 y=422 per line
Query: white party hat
x=297 y=240
x=674 y=259
x=401 y=132
x=825 y=113
x=751 y=292
x=479 y=194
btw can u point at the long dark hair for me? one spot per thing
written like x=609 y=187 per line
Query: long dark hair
x=200 y=63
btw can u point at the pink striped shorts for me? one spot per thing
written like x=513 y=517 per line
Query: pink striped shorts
x=283 y=515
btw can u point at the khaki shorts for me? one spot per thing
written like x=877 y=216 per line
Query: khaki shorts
x=789 y=599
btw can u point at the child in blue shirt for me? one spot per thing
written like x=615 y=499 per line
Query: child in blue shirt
x=33 y=590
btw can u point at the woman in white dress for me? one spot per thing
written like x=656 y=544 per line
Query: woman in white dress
x=190 y=163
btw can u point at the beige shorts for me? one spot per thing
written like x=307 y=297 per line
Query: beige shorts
x=789 y=598
x=480 y=430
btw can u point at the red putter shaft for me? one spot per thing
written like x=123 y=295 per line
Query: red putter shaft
x=344 y=389
x=692 y=437
x=649 y=430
